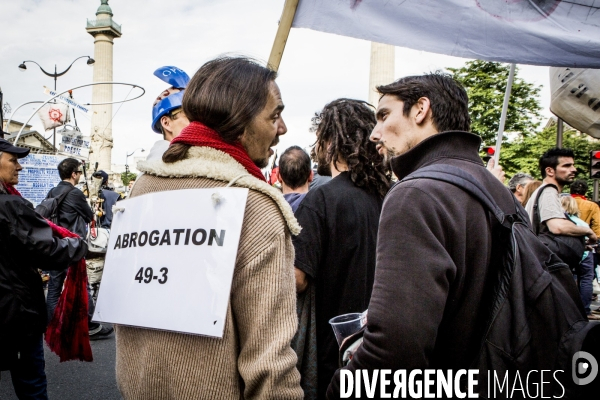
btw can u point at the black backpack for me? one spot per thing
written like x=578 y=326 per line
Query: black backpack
x=49 y=207
x=535 y=315
x=570 y=249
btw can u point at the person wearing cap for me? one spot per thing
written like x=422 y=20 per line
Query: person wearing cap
x=168 y=117
x=26 y=243
x=110 y=198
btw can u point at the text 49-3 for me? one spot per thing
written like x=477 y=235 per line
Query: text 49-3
x=148 y=274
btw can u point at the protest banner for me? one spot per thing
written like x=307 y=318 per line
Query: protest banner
x=39 y=175
x=548 y=32
x=170 y=260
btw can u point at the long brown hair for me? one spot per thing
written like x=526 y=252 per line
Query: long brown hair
x=529 y=189
x=225 y=94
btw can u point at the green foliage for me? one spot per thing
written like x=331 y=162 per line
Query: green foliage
x=128 y=176
x=485 y=82
x=523 y=154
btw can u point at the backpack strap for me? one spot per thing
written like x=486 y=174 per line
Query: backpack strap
x=62 y=197
x=536 y=209
x=464 y=180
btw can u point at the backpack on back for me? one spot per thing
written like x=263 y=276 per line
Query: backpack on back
x=570 y=249
x=49 y=207
x=535 y=319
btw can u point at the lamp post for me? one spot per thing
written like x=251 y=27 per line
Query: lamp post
x=127 y=159
x=55 y=75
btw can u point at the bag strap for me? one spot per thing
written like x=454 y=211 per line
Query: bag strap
x=464 y=180
x=536 y=209
x=62 y=197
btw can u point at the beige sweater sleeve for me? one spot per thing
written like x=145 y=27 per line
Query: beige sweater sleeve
x=264 y=307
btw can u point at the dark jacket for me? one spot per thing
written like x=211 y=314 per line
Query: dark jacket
x=26 y=244
x=74 y=213
x=433 y=253
x=110 y=199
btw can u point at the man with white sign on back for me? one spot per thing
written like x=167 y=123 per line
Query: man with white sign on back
x=235 y=110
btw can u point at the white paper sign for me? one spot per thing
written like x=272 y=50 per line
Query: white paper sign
x=170 y=260
x=67 y=101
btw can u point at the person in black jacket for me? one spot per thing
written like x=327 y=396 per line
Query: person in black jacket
x=26 y=243
x=335 y=251
x=435 y=240
x=110 y=198
x=74 y=213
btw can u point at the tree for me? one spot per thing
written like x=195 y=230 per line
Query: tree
x=485 y=82
x=128 y=176
x=523 y=154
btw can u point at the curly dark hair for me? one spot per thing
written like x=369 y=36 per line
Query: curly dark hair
x=343 y=128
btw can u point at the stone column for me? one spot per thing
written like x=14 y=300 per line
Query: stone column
x=104 y=30
x=382 y=69
x=102 y=140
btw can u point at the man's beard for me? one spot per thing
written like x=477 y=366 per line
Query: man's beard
x=387 y=158
x=261 y=162
x=388 y=154
x=564 y=182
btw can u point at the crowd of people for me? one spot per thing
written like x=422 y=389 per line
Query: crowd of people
x=415 y=252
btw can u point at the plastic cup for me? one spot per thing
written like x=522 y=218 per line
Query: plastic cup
x=347 y=324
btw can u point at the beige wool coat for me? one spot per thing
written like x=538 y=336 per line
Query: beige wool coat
x=254 y=359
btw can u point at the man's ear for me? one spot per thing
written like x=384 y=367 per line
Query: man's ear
x=165 y=122
x=423 y=110
x=311 y=176
x=279 y=177
x=550 y=172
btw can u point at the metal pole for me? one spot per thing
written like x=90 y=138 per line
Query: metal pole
x=54 y=134
x=285 y=24
x=86 y=104
x=511 y=78
x=559 y=133
x=595 y=195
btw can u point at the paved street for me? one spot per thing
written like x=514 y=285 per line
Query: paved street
x=76 y=380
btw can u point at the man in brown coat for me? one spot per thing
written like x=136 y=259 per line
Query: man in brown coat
x=434 y=239
x=235 y=110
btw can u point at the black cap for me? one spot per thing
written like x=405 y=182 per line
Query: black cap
x=101 y=174
x=6 y=147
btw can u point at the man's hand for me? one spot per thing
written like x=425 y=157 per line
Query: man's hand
x=496 y=170
x=301 y=281
x=592 y=238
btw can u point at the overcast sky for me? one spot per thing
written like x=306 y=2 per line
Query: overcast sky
x=316 y=67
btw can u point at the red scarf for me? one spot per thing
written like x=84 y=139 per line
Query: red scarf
x=198 y=134
x=578 y=195
x=11 y=189
x=67 y=334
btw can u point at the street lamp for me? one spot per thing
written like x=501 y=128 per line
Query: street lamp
x=127 y=159
x=55 y=75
